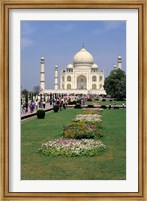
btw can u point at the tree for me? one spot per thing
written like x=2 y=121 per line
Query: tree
x=115 y=84
x=24 y=91
x=36 y=90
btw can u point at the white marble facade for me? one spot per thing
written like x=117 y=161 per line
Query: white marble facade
x=82 y=74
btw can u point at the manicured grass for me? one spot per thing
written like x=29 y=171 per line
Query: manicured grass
x=109 y=165
x=103 y=102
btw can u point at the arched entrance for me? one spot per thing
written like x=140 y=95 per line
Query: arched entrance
x=81 y=82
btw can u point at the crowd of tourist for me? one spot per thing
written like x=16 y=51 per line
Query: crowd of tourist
x=33 y=106
x=62 y=102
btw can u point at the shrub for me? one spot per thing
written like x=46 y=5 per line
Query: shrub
x=56 y=108
x=80 y=136
x=96 y=99
x=72 y=102
x=90 y=106
x=89 y=99
x=64 y=105
x=104 y=106
x=116 y=107
x=40 y=114
x=77 y=106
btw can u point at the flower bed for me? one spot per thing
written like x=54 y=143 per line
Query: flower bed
x=71 y=147
x=82 y=129
x=90 y=111
x=81 y=133
x=88 y=117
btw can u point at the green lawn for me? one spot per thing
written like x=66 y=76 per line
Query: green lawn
x=94 y=102
x=109 y=165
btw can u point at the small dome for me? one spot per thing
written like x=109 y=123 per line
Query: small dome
x=83 y=57
x=94 y=66
x=119 y=57
x=70 y=66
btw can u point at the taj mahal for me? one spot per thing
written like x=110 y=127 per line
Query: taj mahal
x=82 y=76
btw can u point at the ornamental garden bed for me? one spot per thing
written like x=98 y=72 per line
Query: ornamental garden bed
x=107 y=165
x=77 y=137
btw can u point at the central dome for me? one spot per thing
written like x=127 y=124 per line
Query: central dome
x=83 y=57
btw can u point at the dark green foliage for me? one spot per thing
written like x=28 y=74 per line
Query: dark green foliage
x=90 y=106
x=103 y=106
x=26 y=98
x=72 y=102
x=36 y=90
x=77 y=106
x=24 y=91
x=40 y=114
x=115 y=84
x=56 y=108
x=116 y=107
x=84 y=136
x=89 y=99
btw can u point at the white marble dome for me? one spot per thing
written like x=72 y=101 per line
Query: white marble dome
x=70 y=66
x=94 y=66
x=83 y=57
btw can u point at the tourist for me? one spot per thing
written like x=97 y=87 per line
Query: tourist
x=109 y=105
x=82 y=102
x=51 y=101
x=36 y=105
x=60 y=104
x=123 y=105
x=21 y=108
x=44 y=104
x=65 y=103
x=26 y=107
x=31 y=107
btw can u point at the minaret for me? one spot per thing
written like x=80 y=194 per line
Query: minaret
x=56 y=77
x=115 y=67
x=119 y=62
x=42 y=74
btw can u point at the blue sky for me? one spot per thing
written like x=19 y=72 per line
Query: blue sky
x=59 y=41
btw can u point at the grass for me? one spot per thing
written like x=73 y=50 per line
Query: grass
x=94 y=102
x=109 y=165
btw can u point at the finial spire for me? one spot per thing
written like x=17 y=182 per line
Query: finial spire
x=83 y=45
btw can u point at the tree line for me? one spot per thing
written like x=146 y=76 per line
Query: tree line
x=115 y=84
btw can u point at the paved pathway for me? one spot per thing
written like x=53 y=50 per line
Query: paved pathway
x=29 y=114
x=49 y=107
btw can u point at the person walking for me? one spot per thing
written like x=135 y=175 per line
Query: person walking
x=36 y=105
x=60 y=104
x=44 y=104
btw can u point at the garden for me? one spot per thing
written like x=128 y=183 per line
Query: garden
x=77 y=137
x=75 y=144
